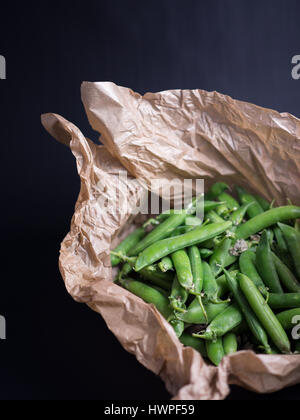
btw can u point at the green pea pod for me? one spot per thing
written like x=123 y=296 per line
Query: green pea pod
x=213 y=217
x=220 y=255
x=195 y=314
x=281 y=249
x=246 y=198
x=166 y=264
x=193 y=221
x=177 y=325
x=292 y=238
x=222 y=324
x=238 y=215
x=183 y=269
x=210 y=285
x=205 y=252
x=247 y=267
x=297 y=226
x=289 y=319
x=222 y=211
x=230 y=343
x=265 y=205
x=287 y=278
x=178 y=297
x=265 y=265
x=264 y=314
x=215 y=351
x=211 y=205
x=197 y=271
x=215 y=190
x=197 y=344
x=267 y=219
x=125 y=246
x=161 y=290
x=162 y=231
x=168 y=246
x=285 y=301
x=230 y=202
x=148 y=294
x=180 y=230
x=251 y=319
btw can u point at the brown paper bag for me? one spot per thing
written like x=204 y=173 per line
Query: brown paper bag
x=182 y=134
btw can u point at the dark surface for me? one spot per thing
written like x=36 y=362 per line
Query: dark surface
x=56 y=348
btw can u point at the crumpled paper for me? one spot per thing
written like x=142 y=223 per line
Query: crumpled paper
x=183 y=134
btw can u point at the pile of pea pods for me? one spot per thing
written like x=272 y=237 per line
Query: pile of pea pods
x=228 y=282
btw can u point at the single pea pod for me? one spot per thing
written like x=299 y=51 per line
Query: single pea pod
x=222 y=211
x=189 y=341
x=247 y=267
x=265 y=204
x=267 y=219
x=222 y=324
x=183 y=269
x=220 y=255
x=148 y=294
x=162 y=231
x=246 y=198
x=178 y=297
x=265 y=265
x=251 y=319
x=230 y=343
x=125 y=246
x=197 y=271
x=210 y=285
x=215 y=351
x=289 y=319
x=231 y=203
x=292 y=238
x=168 y=246
x=166 y=264
x=287 y=278
x=264 y=314
x=284 y=301
x=215 y=190
x=195 y=314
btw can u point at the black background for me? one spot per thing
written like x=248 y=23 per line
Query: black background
x=56 y=348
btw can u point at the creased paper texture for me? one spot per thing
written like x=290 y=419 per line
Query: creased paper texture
x=173 y=134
